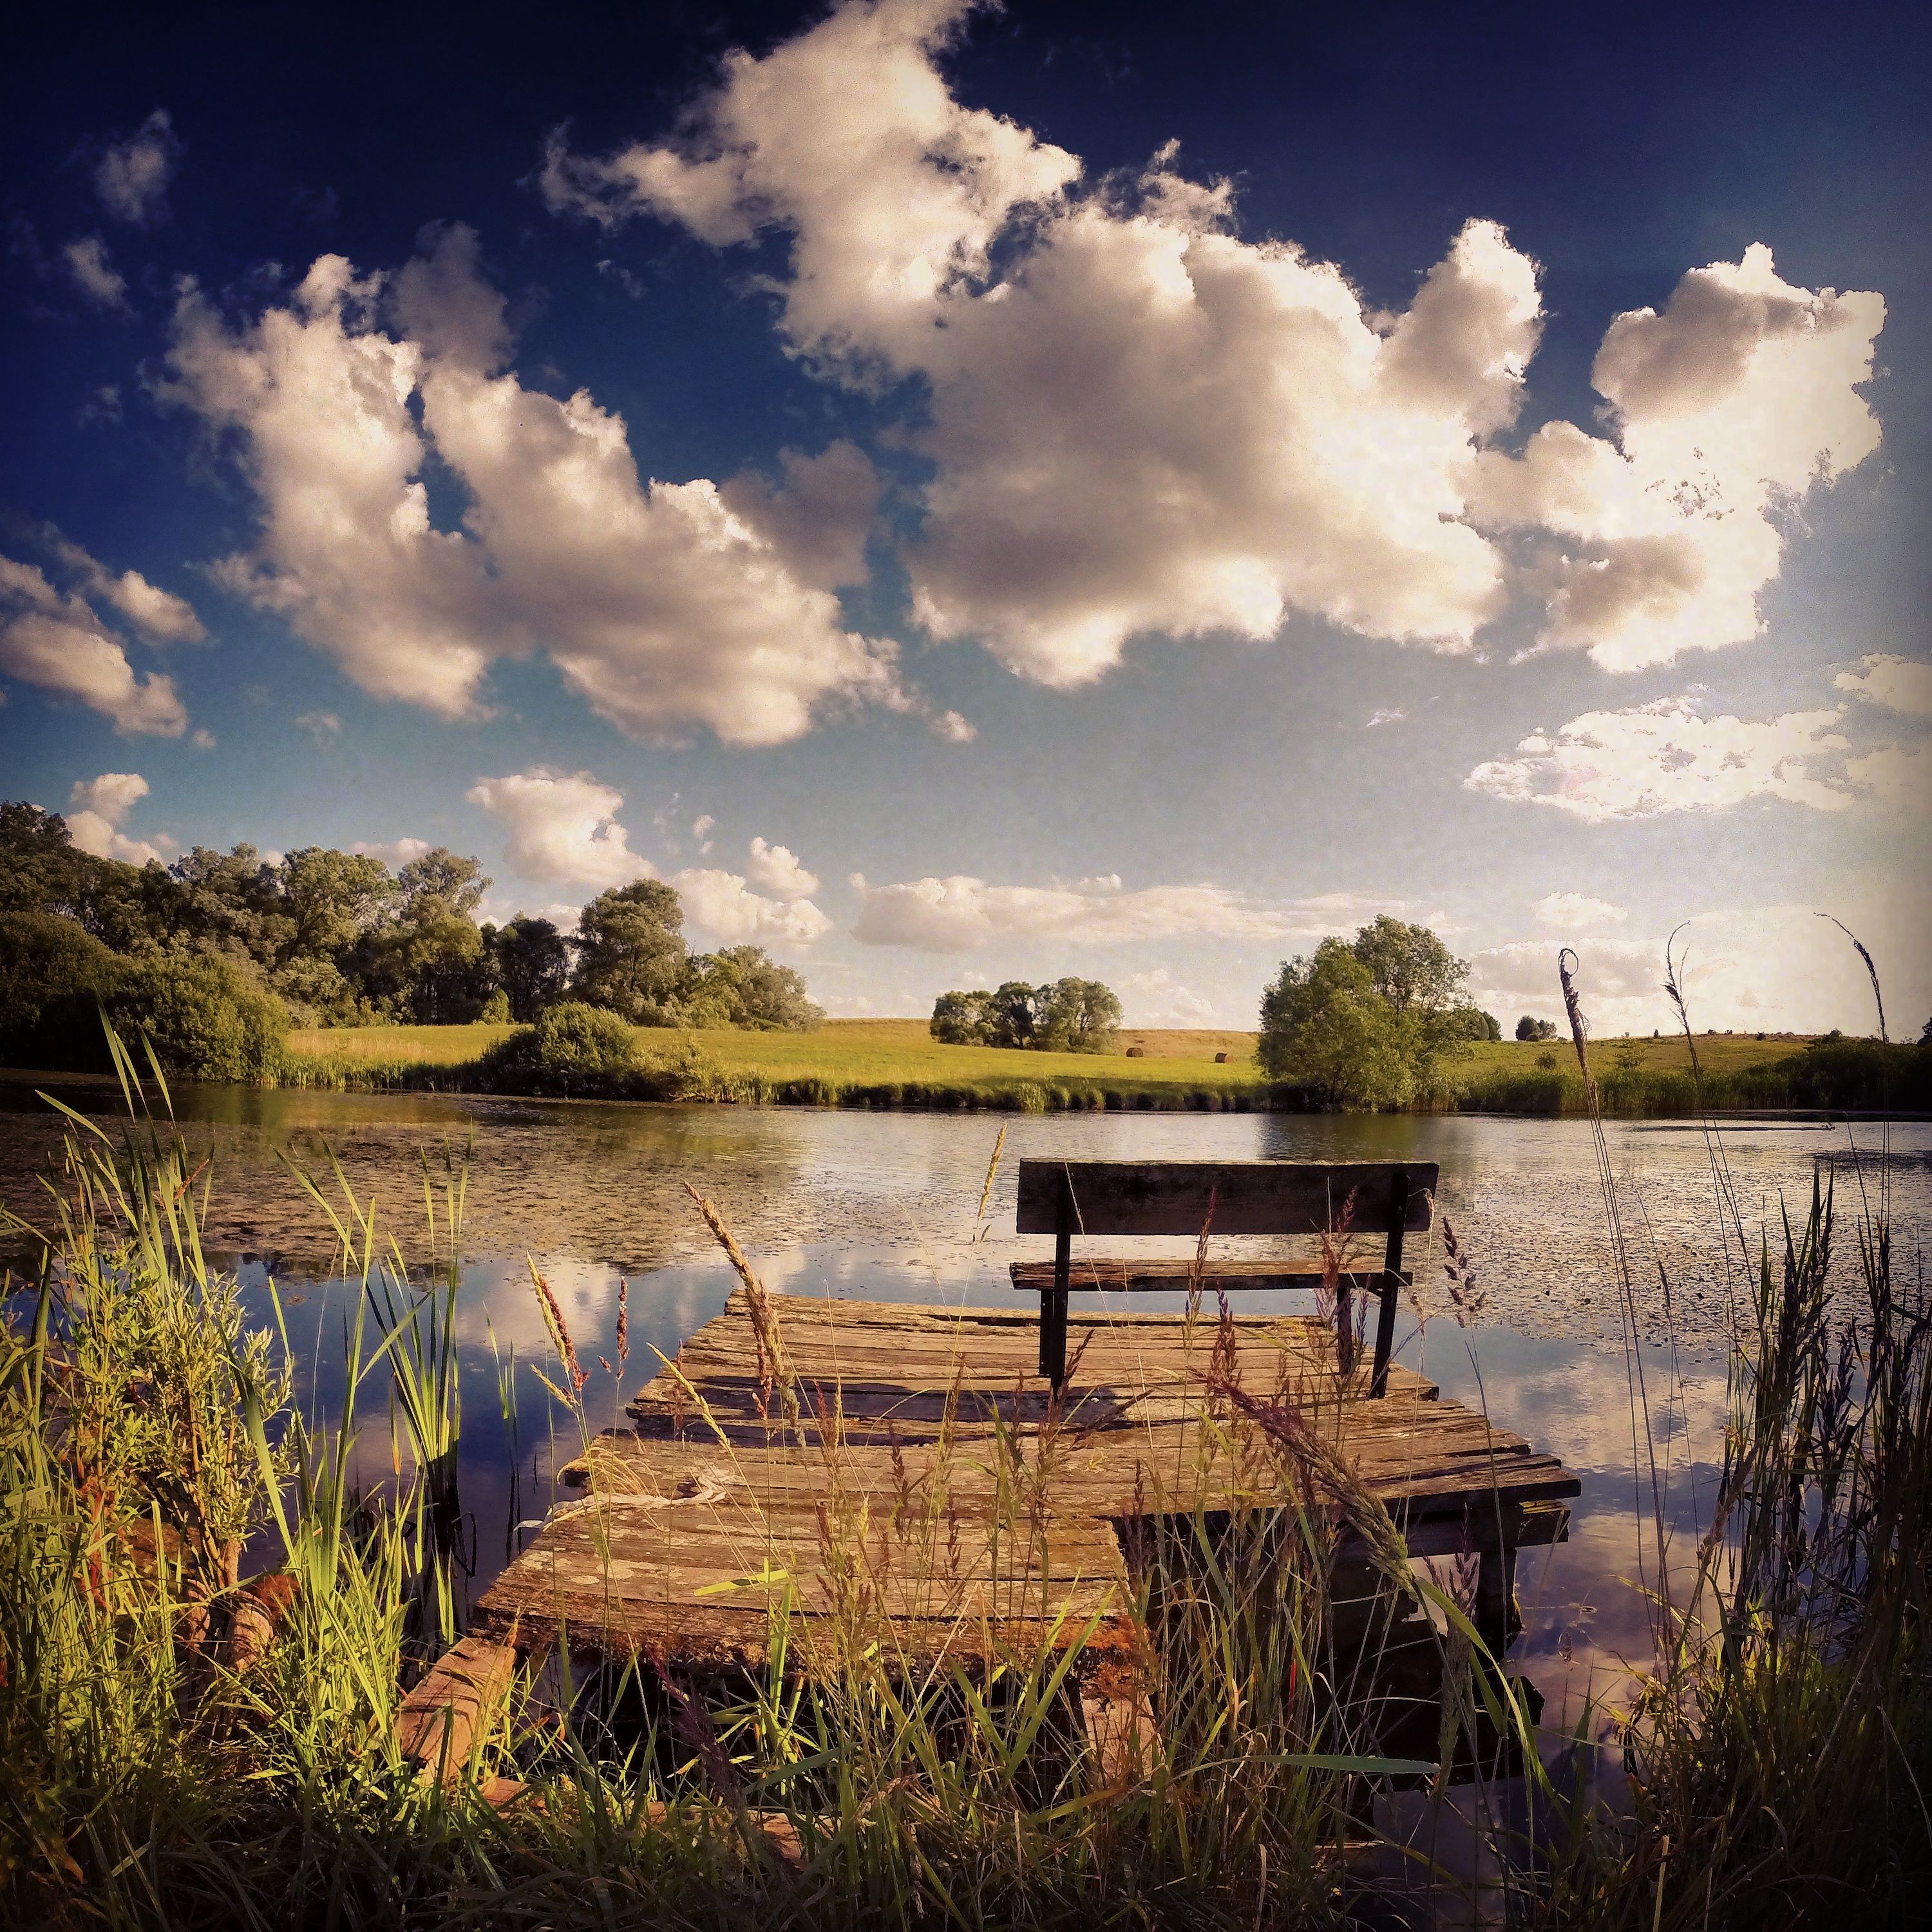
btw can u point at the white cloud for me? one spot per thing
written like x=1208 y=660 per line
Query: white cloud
x=1726 y=409
x=1395 y=715
x=1898 y=683
x=700 y=830
x=132 y=175
x=324 y=727
x=1140 y=422
x=778 y=872
x=1157 y=999
x=159 y=615
x=1572 y=910
x=55 y=640
x=953 y=728
x=959 y=913
x=563 y=828
x=723 y=905
x=393 y=853
x=96 y=808
x=1664 y=758
x=94 y=274
x=659 y=603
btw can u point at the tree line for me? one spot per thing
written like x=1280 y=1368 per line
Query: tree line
x=322 y=937
x=1069 y=1016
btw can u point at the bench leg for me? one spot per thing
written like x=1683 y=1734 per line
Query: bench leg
x=1495 y=1617
x=1053 y=1335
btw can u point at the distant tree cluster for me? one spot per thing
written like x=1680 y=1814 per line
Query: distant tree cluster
x=1530 y=1027
x=1367 y=1022
x=321 y=937
x=1066 y=1016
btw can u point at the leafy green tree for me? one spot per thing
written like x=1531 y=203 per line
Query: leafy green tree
x=962 y=1019
x=572 y=1049
x=1410 y=967
x=1324 y=1025
x=631 y=953
x=325 y=901
x=1530 y=1027
x=1076 y=1016
x=206 y=1018
x=1465 y=1025
x=766 y=995
x=53 y=974
x=532 y=962
x=41 y=870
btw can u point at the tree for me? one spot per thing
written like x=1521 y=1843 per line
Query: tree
x=1466 y=1025
x=767 y=994
x=631 y=953
x=1075 y=1016
x=1324 y=1024
x=457 y=885
x=326 y=900
x=1411 y=968
x=1530 y=1027
x=533 y=963
x=962 y=1019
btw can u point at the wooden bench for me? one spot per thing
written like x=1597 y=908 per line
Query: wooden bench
x=1198 y=1197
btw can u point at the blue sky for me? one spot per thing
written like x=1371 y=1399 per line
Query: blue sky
x=853 y=464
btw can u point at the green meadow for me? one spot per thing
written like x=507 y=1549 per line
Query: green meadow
x=895 y=1062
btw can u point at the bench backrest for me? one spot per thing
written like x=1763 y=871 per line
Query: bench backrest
x=1242 y=1197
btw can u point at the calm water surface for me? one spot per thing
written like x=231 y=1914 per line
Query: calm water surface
x=884 y=1206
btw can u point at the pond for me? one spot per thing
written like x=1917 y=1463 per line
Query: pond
x=885 y=1206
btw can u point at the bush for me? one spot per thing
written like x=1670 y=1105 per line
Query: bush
x=205 y=1019
x=572 y=1051
x=53 y=974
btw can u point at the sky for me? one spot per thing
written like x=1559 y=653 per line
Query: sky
x=971 y=494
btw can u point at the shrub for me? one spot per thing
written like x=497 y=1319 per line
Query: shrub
x=52 y=973
x=572 y=1050
x=205 y=1019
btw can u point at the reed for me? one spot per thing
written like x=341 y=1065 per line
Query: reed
x=168 y=1762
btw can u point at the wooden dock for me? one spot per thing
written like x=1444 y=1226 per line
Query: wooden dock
x=908 y=1468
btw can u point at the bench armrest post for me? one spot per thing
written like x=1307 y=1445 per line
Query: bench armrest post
x=1053 y=1300
x=1391 y=1287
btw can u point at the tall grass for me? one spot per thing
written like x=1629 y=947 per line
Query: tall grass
x=207 y=1629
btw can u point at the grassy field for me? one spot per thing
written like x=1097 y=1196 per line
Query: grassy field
x=890 y=1062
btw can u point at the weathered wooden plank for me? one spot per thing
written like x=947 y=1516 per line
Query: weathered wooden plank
x=438 y=1723
x=931 y=1491
x=1243 y=1197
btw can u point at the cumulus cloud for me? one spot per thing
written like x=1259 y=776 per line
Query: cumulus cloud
x=1140 y=422
x=1156 y=998
x=1898 y=683
x=1664 y=758
x=1572 y=910
x=723 y=905
x=55 y=640
x=1726 y=409
x=563 y=828
x=96 y=808
x=324 y=727
x=132 y=175
x=959 y=913
x=94 y=274
x=661 y=604
x=778 y=871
